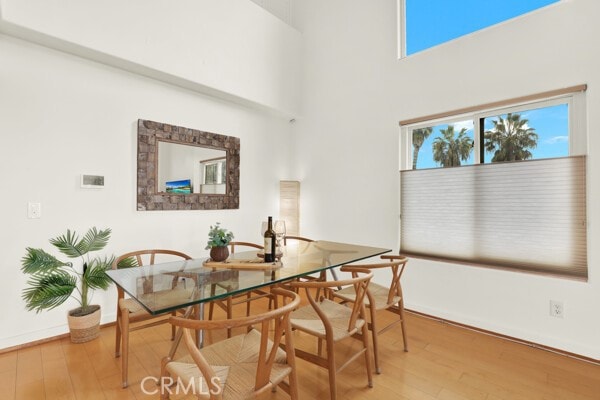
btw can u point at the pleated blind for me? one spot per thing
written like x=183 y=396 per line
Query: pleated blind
x=527 y=215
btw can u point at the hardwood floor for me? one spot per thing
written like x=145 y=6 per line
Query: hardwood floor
x=444 y=362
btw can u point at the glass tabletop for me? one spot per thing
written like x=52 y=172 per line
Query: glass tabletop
x=160 y=288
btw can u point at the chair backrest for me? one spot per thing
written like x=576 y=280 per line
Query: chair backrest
x=285 y=302
x=146 y=257
x=140 y=258
x=396 y=266
x=299 y=238
x=232 y=245
x=360 y=280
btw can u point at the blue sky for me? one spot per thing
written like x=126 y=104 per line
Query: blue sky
x=430 y=22
x=550 y=123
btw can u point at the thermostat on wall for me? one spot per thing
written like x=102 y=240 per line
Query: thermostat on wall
x=92 y=181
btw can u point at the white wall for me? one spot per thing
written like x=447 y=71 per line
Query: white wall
x=62 y=116
x=346 y=138
x=354 y=93
x=228 y=48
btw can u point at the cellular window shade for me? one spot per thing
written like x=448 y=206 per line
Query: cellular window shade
x=526 y=215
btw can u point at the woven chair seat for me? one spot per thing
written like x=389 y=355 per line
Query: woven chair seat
x=167 y=298
x=133 y=306
x=379 y=293
x=306 y=319
x=235 y=362
x=188 y=372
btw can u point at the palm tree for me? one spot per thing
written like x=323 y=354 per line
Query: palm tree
x=419 y=137
x=448 y=151
x=510 y=138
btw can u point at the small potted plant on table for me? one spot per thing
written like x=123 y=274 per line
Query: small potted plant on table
x=218 y=239
x=53 y=281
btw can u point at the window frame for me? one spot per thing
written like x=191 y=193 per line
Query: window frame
x=576 y=115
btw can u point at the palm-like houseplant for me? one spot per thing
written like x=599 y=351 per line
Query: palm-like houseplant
x=53 y=281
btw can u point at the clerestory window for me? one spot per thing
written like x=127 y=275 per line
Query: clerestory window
x=425 y=24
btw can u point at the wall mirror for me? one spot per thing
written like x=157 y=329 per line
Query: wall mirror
x=186 y=169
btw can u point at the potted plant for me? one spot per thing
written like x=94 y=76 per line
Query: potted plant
x=53 y=281
x=218 y=239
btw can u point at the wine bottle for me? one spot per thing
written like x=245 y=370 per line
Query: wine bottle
x=269 y=242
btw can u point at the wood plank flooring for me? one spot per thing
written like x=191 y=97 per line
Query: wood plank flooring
x=444 y=362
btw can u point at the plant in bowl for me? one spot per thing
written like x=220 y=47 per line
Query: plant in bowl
x=52 y=281
x=218 y=239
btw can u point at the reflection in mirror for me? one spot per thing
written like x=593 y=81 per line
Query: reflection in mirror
x=186 y=169
x=190 y=169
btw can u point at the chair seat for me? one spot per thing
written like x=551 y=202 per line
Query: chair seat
x=234 y=285
x=379 y=293
x=132 y=306
x=306 y=319
x=168 y=297
x=235 y=362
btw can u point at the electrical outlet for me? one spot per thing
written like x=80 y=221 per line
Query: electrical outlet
x=34 y=210
x=556 y=309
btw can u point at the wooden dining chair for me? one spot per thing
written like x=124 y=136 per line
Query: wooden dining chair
x=298 y=238
x=131 y=316
x=334 y=322
x=381 y=297
x=229 y=302
x=243 y=366
x=322 y=275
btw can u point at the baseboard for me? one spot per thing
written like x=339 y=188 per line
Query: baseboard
x=422 y=314
x=507 y=337
x=44 y=340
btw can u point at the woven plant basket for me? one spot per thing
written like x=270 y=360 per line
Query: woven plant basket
x=84 y=328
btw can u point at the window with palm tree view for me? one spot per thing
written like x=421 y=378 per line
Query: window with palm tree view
x=523 y=133
x=507 y=175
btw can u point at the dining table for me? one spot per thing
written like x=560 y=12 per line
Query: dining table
x=170 y=286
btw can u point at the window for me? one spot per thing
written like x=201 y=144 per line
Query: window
x=526 y=133
x=516 y=195
x=530 y=131
x=214 y=172
x=448 y=144
x=213 y=176
x=433 y=22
